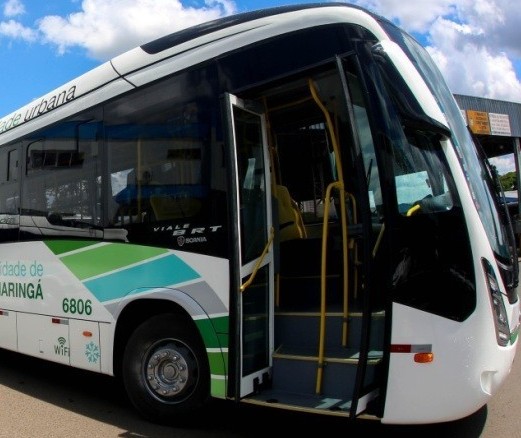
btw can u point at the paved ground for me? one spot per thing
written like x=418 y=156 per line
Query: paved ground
x=44 y=400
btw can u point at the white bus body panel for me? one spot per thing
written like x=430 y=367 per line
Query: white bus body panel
x=468 y=367
x=44 y=336
x=8 y=329
x=106 y=340
x=85 y=344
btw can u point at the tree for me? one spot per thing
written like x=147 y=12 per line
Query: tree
x=508 y=181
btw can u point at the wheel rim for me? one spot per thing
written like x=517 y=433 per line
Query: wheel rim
x=169 y=369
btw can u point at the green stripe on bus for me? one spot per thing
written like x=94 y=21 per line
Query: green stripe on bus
x=106 y=258
x=62 y=246
x=218 y=362
x=209 y=330
x=223 y=339
x=221 y=324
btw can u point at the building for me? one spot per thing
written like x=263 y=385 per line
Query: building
x=497 y=124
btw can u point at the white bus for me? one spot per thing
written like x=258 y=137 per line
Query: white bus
x=282 y=207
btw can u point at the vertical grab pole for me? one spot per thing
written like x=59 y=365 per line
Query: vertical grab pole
x=323 y=272
x=340 y=185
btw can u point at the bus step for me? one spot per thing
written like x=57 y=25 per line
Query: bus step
x=311 y=403
x=295 y=370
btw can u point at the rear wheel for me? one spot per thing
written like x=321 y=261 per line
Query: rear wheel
x=165 y=368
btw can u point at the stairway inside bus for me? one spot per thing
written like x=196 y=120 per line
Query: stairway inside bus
x=298 y=377
x=318 y=313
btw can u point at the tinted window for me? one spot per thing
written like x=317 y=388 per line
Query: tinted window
x=166 y=166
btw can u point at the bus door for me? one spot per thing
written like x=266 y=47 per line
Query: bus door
x=371 y=249
x=252 y=242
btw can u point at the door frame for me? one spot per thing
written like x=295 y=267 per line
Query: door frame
x=245 y=271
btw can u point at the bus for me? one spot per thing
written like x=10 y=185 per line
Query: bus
x=282 y=207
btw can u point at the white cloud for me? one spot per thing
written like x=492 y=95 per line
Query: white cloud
x=13 y=8
x=474 y=42
x=471 y=67
x=503 y=163
x=15 y=30
x=105 y=28
x=415 y=16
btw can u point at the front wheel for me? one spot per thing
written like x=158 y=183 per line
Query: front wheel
x=165 y=368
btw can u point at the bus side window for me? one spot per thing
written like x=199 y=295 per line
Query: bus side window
x=9 y=196
x=62 y=181
x=160 y=166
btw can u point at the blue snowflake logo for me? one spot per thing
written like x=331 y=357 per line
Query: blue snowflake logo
x=92 y=352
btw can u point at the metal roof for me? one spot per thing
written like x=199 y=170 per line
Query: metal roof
x=493 y=106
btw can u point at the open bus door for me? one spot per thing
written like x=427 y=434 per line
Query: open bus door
x=253 y=258
x=371 y=256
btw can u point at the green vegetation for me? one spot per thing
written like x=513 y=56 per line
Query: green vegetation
x=508 y=181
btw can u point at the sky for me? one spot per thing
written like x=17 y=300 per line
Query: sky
x=43 y=44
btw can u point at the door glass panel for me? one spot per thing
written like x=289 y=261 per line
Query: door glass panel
x=253 y=210
x=252 y=184
x=255 y=340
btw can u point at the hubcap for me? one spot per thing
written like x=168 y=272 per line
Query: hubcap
x=167 y=370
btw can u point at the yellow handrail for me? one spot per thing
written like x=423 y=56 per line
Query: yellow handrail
x=413 y=210
x=340 y=185
x=248 y=282
x=323 y=266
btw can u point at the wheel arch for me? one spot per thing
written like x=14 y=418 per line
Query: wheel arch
x=214 y=340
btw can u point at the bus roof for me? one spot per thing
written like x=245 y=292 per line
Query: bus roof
x=197 y=43
x=196 y=31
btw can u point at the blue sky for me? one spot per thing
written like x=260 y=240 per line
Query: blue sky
x=476 y=43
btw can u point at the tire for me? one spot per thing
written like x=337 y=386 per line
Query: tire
x=165 y=368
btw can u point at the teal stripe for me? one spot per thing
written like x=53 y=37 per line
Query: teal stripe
x=165 y=271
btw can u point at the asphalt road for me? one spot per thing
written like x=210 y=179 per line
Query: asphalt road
x=42 y=399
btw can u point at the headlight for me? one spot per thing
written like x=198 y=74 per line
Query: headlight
x=498 y=305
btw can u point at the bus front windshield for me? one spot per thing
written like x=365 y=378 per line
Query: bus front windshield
x=481 y=188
